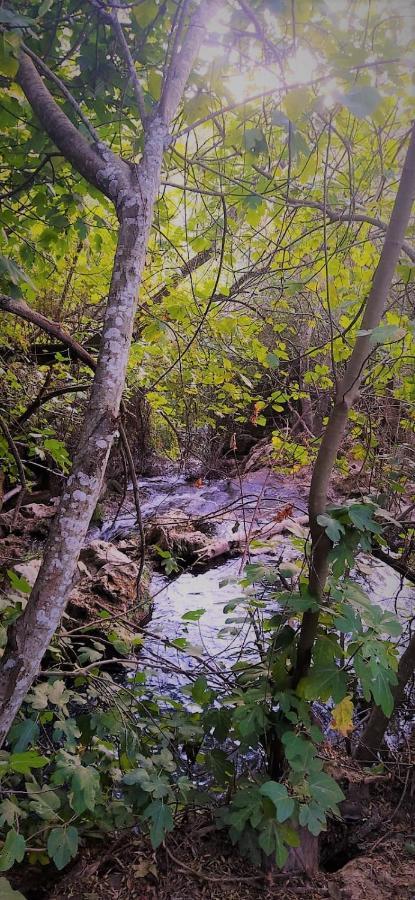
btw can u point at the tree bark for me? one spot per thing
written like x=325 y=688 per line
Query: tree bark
x=372 y=735
x=134 y=197
x=346 y=394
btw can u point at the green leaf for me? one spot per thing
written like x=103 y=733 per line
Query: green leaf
x=161 y=822
x=45 y=802
x=23 y=733
x=10 y=812
x=279 y=795
x=385 y=334
x=266 y=839
x=361 y=514
x=362 y=101
x=155 y=82
x=380 y=681
x=322 y=682
x=62 y=845
x=44 y=8
x=8 y=17
x=193 y=615
x=24 y=762
x=18 y=583
x=85 y=784
x=279 y=118
x=311 y=816
x=7 y=892
x=145 y=13
x=13 y=272
x=299 y=751
x=222 y=768
x=9 y=64
x=297 y=102
x=255 y=141
x=325 y=790
x=13 y=850
x=333 y=528
x=281 y=852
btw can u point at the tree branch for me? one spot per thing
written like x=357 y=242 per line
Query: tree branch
x=63 y=89
x=23 y=311
x=99 y=166
x=111 y=19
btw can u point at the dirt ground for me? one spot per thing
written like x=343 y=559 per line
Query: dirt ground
x=371 y=858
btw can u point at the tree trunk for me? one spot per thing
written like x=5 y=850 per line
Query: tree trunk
x=346 y=394
x=35 y=628
x=372 y=735
x=134 y=190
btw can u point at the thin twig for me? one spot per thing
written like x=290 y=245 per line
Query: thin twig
x=15 y=453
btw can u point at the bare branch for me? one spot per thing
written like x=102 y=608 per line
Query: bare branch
x=112 y=20
x=21 y=309
x=182 y=60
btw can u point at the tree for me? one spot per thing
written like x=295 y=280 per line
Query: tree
x=346 y=394
x=133 y=190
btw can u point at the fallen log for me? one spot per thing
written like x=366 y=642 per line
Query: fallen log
x=225 y=546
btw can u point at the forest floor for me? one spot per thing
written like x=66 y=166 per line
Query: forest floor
x=369 y=858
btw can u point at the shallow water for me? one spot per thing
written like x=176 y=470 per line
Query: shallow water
x=231 y=507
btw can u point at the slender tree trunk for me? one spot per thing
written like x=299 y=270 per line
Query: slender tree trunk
x=372 y=735
x=134 y=190
x=346 y=394
x=35 y=628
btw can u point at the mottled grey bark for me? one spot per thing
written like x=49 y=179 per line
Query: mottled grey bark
x=133 y=190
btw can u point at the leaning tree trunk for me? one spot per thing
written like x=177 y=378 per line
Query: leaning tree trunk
x=346 y=394
x=372 y=735
x=134 y=190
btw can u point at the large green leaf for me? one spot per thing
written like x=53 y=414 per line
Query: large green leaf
x=362 y=101
x=85 y=786
x=325 y=790
x=161 y=821
x=13 y=850
x=279 y=795
x=7 y=892
x=24 y=762
x=62 y=845
x=333 y=528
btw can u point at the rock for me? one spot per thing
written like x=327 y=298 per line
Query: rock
x=106 y=579
x=37 y=511
x=174 y=531
x=103 y=553
x=29 y=569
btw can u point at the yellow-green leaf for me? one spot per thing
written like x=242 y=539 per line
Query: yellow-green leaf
x=296 y=103
x=342 y=716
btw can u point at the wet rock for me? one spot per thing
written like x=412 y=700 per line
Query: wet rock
x=174 y=531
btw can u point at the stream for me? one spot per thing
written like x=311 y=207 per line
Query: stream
x=230 y=506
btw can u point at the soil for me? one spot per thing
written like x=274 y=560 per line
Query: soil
x=369 y=855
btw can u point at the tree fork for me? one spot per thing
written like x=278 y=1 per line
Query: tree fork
x=134 y=197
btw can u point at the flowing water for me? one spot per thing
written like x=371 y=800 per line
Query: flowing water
x=231 y=507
